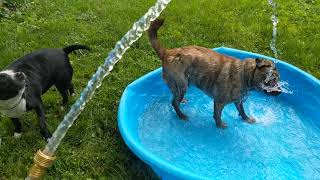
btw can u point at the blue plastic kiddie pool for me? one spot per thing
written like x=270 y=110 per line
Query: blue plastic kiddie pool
x=284 y=143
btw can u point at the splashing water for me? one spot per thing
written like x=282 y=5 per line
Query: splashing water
x=114 y=56
x=283 y=85
x=275 y=21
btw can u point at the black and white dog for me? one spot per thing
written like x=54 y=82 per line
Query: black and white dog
x=24 y=81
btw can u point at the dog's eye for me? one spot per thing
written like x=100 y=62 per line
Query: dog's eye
x=264 y=66
x=19 y=75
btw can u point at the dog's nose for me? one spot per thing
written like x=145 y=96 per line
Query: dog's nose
x=20 y=76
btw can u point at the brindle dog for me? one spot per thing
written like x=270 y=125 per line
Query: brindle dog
x=224 y=78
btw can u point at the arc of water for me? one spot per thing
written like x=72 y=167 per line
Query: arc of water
x=275 y=21
x=114 y=56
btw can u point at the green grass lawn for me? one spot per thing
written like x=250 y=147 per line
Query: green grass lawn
x=93 y=147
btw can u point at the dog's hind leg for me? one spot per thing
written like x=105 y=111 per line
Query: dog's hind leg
x=64 y=87
x=64 y=94
x=71 y=89
x=178 y=88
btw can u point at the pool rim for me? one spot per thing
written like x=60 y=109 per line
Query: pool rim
x=156 y=161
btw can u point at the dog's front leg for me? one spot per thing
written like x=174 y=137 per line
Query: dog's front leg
x=42 y=121
x=18 y=129
x=218 y=107
x=243 y=114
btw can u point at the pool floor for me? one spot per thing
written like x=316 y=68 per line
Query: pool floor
x=283 y=143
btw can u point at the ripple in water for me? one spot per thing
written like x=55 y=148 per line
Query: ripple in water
x=283 y=143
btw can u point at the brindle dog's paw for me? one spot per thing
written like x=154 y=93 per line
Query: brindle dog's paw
x=222 y=125
x=250 y=120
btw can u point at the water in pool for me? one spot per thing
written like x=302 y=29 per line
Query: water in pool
x=283 y=143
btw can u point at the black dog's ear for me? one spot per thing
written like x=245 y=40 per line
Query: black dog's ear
x=262 y=63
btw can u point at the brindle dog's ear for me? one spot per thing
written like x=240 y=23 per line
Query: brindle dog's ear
x=261 y=63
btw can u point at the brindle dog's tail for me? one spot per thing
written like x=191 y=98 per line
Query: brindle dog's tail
x=71 y=48
x=153 y=37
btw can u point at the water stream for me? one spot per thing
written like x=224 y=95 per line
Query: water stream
x=114 y=56
x=275 y=21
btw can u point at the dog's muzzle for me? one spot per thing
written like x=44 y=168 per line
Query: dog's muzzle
x=273 y=93
x=20 y=76
x=272 y=88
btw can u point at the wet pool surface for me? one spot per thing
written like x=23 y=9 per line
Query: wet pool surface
x=283 y=143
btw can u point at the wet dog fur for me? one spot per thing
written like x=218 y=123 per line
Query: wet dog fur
x=224 y=78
